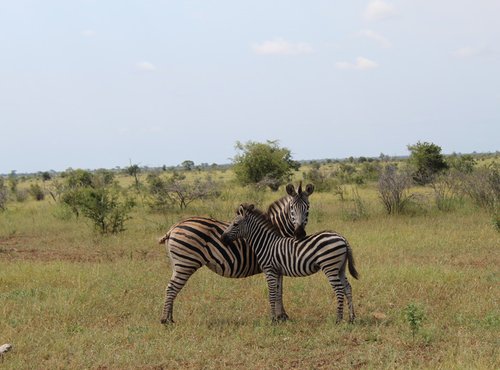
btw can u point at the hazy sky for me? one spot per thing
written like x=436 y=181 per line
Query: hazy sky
x=96 y=83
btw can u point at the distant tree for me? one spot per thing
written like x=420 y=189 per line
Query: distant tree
x=188 y=165
x=265 y=164
x=134 y=170
x=13 y=181
x=426 y=160
x=46 y=176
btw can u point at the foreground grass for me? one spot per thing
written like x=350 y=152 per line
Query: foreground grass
x=70 y=299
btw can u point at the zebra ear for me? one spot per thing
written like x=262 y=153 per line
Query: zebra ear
x=290 y=190
x=245 y=207
x=309 y=189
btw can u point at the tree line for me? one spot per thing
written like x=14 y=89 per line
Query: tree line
x=98 y=196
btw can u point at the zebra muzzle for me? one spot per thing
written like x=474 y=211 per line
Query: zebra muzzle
x=225 y=238
x=299 y=232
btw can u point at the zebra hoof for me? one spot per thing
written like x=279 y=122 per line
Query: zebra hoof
x=167 y=321
x=282 y=317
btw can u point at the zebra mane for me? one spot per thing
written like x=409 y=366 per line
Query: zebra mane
x=285 y=199
x=261 y=216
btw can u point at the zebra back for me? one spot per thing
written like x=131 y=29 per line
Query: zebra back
x=325 y=250
x=197 y=241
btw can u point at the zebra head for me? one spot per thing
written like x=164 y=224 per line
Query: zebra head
x=299 y=208
x=238 y=227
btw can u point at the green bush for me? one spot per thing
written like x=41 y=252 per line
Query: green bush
x=263 y=164
x=414 y=317
x=105 y=209
x=427 y=161
x=96 y=197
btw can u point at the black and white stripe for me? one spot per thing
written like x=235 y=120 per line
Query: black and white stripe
x=196 y=242
x=278 y=256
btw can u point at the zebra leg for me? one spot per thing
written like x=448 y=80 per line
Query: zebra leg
x=338 y=288
x=348 y=294
x=176 y=283
x=280 y=309
x=272 y=279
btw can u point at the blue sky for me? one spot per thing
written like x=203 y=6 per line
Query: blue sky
x=94 y=83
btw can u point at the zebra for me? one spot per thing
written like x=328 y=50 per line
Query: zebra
x=196 y=242
x=278 y=256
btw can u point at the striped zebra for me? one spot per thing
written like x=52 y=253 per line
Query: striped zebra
x=196 y=242
x=280 y=256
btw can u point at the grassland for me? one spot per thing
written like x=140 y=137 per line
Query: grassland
x=70 y=298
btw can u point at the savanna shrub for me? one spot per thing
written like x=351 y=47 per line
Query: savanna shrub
x=446 y=190
x=36 y=192
x=21 y=195
x=105 y=209
x=483 y=187
x=163 y=193
x=322 y=181
x=97 y=197
x=394 y=190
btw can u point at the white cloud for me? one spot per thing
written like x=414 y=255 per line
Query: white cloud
x=146 y=66
x=467 y=52
x=378 y=10
x=362 y=64
x=88 y=33
x=280 y=46
x=378 y=38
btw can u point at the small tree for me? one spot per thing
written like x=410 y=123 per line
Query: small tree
x=263 y=163
x=134 y=170
x=45 y=176
x=427 y=161
x=188 y=165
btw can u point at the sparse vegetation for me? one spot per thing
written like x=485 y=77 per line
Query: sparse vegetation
x=3 y=194
x=68 y=292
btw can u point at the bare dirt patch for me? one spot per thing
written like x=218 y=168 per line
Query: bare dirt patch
x=23 y=248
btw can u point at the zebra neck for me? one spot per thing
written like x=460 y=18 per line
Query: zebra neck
x=279 y=214
x=262 y=234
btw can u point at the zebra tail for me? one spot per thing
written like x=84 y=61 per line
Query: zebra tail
x=164 y=238
x=350 y=263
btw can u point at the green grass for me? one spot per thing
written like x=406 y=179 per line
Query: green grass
x=72 y=299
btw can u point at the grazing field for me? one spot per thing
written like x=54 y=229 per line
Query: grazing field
x=70 y=298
